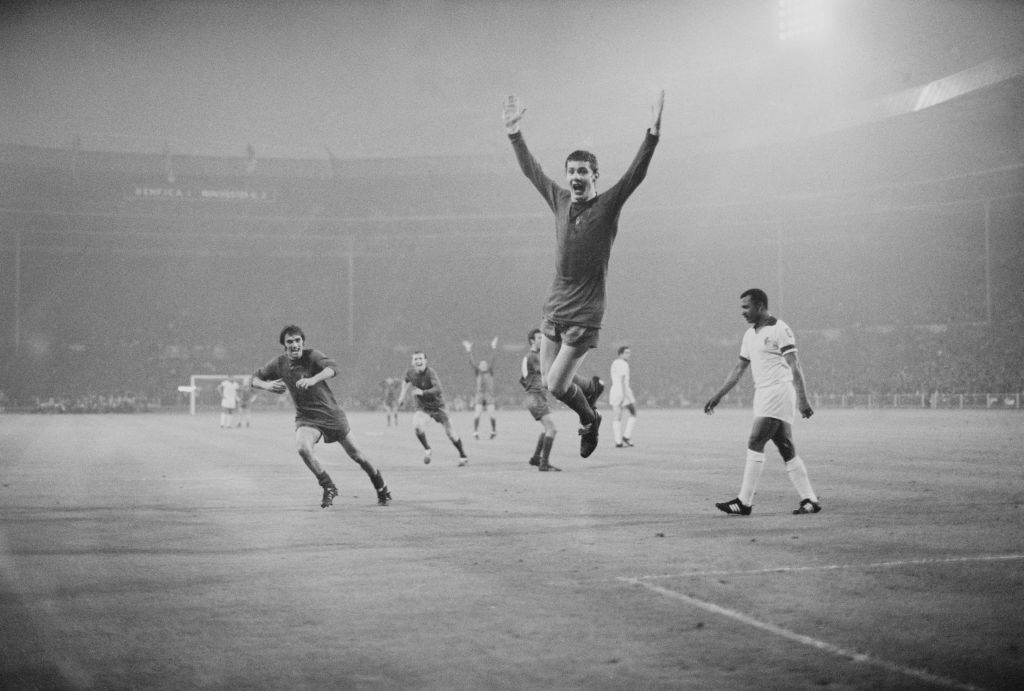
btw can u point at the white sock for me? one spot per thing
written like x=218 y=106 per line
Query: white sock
x=797 y=472
x=617 y=431
x=751 y=475
x=630 y=424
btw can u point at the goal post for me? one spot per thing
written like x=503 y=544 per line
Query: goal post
x=195 y=388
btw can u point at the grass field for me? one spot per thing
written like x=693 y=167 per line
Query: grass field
x=158 y=551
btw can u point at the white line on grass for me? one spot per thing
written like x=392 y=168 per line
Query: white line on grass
x=800 y=638
x=833 y=567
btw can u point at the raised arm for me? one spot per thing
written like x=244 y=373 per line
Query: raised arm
x=659 y=105
x=730 y=382
x=468 y=345
x=512 y=114
x=637 y=171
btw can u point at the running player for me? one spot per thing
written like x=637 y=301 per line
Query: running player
x=303 y=372
x=586 y=224
x=537 y=403
x=769 y=350
x=426 y=389
x=622 y=400
x=483 y=373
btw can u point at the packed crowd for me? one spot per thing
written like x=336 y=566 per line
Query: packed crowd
x=922 y=360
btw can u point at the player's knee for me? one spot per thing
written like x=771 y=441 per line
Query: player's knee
x=786 y=449
x=756 y=444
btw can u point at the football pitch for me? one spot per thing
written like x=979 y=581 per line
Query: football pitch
x=159 y=551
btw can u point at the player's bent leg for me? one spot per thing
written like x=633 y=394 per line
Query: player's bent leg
x=456 y=441
x=305 y=439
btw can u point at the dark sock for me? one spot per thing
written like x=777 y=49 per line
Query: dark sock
x=423 y=439
x=324 y=479
x=577 y=402
x=540 y=446
x=546 y=452
x=458 y=445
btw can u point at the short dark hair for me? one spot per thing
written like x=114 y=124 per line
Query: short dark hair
x=623 y=349
x=581 y=155
x=291 y=329
x=533 y=332
x=756 y=295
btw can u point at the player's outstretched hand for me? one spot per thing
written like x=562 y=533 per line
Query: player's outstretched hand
x=468 y=345
x=709 y=407
x=659 y=105
x=494 y=343
x=512 y=113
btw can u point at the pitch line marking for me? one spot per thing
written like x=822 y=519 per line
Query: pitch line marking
x=823 y=646
x=834 y=567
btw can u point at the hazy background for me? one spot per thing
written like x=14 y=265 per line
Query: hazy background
x=868 y=177
x=384 y=79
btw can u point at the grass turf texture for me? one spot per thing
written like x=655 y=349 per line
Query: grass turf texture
x=158 y=551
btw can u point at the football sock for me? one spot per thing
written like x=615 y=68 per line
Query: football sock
x=377 y=480
x=797 y=472
x=617 y=431
x=630 y=424
x=546 y=451
x=423 y=439
x=458 y=445
x=751 y=475
x=324 y=479
x=540 y=446
x=577 y=402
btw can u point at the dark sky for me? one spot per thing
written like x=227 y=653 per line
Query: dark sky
x=426 y=77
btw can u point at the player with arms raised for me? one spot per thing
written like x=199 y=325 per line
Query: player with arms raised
x=586 y=224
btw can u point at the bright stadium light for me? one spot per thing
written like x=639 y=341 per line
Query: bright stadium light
x=803 y=19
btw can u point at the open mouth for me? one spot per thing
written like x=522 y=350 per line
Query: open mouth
x=578 y=187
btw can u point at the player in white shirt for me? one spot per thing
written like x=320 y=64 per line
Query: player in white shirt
x=622 y=400
x=769 y=350
x=228 y=402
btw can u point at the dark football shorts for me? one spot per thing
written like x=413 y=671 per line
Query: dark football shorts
x=570 y=334
x=537 y=404
x=438 y=414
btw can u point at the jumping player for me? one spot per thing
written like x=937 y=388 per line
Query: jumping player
x=303 y=372
x=769 y=349
x=586 y=224
x=426 y=389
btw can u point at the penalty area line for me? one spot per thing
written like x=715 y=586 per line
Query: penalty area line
x=823 y=646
